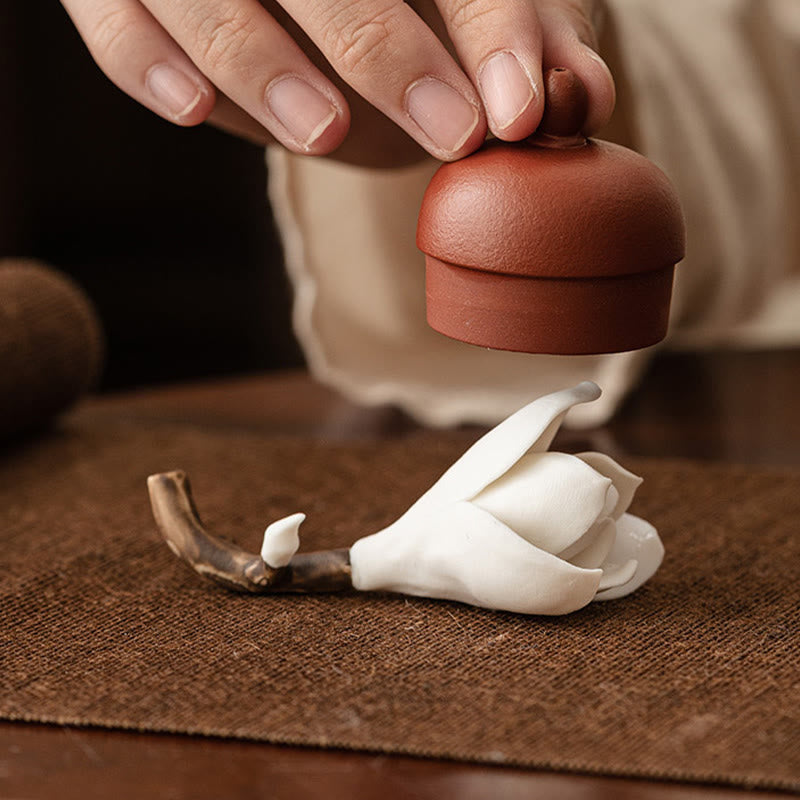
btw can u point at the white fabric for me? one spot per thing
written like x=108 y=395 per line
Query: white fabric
x=717 y=107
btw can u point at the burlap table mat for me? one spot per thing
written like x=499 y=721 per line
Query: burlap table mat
x=695 y=677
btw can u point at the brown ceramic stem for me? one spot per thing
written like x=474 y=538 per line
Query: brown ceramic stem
x=226 y=563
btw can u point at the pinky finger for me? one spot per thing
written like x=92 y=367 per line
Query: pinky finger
x=141 y=58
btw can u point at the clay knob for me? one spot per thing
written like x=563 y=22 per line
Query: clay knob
x=566 y=104
x=567 y=248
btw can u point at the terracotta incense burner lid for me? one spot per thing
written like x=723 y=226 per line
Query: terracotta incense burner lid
x=558 y=244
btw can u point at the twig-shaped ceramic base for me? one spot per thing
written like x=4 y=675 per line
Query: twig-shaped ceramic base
x=226 y=563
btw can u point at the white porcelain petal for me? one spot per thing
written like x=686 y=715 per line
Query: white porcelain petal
x=549 y=499
x=625 y=482
x=612 y=501
x=616 y=575
x=636 y=539
x=531 y=428
x=597 y=548
x=463 y=553
x=281 y=541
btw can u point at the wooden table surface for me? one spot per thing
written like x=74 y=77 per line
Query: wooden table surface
x=725 y=407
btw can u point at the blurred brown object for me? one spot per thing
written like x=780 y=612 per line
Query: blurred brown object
x=167 y=229
x=51 y=345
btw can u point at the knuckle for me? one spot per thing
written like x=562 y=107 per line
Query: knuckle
x=221 y=39
x=355 y=43
x=468 y=15
x=111 y=33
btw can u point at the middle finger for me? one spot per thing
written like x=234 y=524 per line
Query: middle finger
x=384 y=51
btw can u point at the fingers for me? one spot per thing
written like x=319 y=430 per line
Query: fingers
x=504 y=46
x=137 y=54
x=171 y=54
x=251 y=58
x=384 y=51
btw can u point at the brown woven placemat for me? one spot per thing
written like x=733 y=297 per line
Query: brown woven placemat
x=694 y=677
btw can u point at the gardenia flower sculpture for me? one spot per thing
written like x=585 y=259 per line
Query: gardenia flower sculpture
x=509 y=526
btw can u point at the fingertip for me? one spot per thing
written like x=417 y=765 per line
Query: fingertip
x=512 y=94
x=306 y=118
x=324 y=140
x=330 y=134
x=525 y=125
x=526 y=122
x=472 y=142
x=199 y=110
x=183 y=98
x=447 y=121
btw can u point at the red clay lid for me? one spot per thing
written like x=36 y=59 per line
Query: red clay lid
x=553 y=245
x=591 y=210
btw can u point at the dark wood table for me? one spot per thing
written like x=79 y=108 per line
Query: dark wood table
x=728 y=407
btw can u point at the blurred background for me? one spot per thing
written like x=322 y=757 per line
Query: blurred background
x=167 y=229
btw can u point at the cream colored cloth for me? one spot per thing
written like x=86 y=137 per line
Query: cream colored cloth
x=717 y=107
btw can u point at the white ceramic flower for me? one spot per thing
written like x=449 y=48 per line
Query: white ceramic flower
x=511 y=526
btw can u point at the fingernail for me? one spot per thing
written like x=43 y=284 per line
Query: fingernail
x=507 y=90
x=303 y=110
x=443 y=114
x=173 y=89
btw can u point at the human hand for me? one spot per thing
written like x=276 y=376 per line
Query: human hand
x=397 y=76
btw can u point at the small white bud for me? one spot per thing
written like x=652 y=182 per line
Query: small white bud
x=281 y=541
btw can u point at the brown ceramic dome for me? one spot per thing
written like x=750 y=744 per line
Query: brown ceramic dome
x=564 y=249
